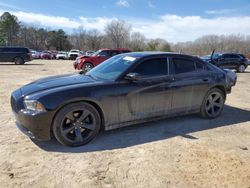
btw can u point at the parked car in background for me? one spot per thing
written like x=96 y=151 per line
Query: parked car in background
x=228 y=61
x=18 y=55
x=62 y=55
x=82 y=53
x=53 y=54
x=35 y=54
x=126 y=89
x=73 y=54
x=89 y=52
x=46 y=55
x=86 y=63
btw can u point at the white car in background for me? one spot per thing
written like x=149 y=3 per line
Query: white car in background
x=62 y=55
x=73 y=54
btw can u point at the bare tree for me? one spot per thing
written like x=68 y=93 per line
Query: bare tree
x=220 y=43
x=94 y=39
x=118 y=32
x=78 y=39
x=158 y=45
x=137 y=42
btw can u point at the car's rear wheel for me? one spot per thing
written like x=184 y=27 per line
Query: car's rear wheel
x=19 y=61
x=87 y=67
x=213 y=103
x=76 y=124
x=241 y=68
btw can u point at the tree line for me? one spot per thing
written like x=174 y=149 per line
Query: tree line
x=117 y=34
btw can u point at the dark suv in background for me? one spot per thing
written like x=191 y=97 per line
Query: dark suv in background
x=19 y=55
x=228 y=61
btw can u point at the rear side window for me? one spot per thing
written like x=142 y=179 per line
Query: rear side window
x=104 y=53
x=113 y=53
x=199 y=66
x=234 y=56
x=241 y=55
x=16 y=50
x=152 y=67
x=226 y=56
x=6 y=49
x=182 y=65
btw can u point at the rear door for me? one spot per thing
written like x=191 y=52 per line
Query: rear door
x=225 y=61
x=191 y=82
x=234 y=61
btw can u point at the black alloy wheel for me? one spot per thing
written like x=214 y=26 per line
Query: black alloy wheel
x=213 y=103
x=76 y=124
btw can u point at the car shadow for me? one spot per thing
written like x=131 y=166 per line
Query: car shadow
x=152 y=131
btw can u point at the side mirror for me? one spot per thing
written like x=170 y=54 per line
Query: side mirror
x=132 y=76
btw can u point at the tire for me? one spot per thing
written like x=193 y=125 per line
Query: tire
x=87 y=67
x=212 y=104
x=241 y=68
x=19 y=61
x=76 y=124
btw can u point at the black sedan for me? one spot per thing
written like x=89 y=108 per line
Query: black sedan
x=125 y=89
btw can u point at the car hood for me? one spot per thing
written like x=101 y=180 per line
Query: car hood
x=88 y=57
x=55 y=82
x=84 y=56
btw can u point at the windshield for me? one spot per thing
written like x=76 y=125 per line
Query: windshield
x=215 y=56
x=96 y=53
x=74 y=51
x=112 y=68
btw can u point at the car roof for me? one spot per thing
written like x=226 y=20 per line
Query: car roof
x=12 y=47
x=153 y=53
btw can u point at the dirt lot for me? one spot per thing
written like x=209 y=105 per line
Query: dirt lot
x=182 y=152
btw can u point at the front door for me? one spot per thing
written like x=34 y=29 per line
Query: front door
x=102 y=56
x=151 y=95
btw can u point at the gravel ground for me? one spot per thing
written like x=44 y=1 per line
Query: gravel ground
x=180 y=152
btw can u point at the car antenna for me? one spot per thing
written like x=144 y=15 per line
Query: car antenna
x=212 y=54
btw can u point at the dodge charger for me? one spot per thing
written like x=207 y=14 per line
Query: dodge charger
x=126 y=89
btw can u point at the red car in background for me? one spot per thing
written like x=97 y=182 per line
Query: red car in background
x=46 y=55
x=85 y=63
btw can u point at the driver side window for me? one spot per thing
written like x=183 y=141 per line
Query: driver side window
x=152 y=67
x=104 y=53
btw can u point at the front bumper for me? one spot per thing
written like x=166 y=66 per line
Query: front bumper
x=36 y=126
x=77 y=66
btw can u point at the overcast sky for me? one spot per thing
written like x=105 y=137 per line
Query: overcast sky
x=175 y=21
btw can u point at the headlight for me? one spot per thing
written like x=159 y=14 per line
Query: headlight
x=34 y=105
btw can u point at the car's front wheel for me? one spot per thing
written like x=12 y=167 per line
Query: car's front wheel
x=76 y=124
x=213 y=103
x=87 y=67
